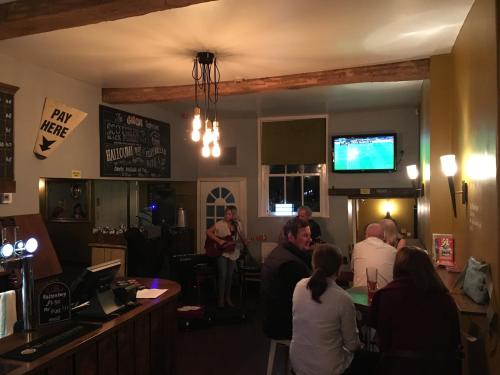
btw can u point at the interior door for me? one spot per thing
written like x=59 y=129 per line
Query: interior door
x=214 y=195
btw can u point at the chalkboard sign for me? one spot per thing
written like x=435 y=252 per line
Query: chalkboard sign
x=54 y=303
x=7 y=132
x=132 y=145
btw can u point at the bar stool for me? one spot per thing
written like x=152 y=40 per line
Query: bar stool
x=272 y=354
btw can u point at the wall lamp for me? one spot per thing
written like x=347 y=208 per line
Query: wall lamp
x=449 y=167
x=412 y=172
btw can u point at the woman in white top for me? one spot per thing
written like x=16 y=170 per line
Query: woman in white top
x=324 y=319
x=220 y=232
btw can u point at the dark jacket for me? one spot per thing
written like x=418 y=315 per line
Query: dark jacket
x=315 y=231
x=418 y=332
x=282 y=270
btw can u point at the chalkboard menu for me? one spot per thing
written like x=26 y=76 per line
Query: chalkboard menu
x=7 y=133
x=132 y=145
x=54 y=303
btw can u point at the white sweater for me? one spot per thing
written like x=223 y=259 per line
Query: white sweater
x=324 y=334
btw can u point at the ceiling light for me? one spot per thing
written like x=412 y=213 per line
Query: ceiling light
x=206 y=77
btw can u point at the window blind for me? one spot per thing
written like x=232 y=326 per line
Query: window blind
x=300 y=141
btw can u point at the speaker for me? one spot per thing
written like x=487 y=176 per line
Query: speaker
x=181 y=241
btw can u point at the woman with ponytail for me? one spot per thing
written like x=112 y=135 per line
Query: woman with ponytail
x=324 y=319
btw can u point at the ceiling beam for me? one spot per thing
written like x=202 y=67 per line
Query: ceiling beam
x=402 y=71
x=26 y=17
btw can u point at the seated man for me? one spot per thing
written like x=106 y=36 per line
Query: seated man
x=373 y=252
x=286 y=265
x=305 y=213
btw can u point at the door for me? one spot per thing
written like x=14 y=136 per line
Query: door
x=214 y=194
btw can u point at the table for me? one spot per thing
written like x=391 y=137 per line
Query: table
x=141 y=341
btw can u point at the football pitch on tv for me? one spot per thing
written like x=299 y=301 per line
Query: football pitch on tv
x=370 y=156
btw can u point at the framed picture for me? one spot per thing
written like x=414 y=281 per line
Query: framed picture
x=67 y=200
x=443 y=247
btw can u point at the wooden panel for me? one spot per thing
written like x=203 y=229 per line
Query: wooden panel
x=169 y=337
x=86 y=360
x=402 y=71
x=375 y=192
x=107 y=356
x=98 y=255
x=26 y=17
x=118 y=254
x=158 y=351
x=126 y=358
x=63 y=366
x=141 y=342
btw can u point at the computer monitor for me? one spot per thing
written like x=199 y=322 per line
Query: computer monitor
x=92 y=289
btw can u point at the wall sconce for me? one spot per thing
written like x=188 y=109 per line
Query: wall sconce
x=449 y=167
x=412 y=172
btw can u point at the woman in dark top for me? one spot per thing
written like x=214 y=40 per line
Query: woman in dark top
x=416 y=319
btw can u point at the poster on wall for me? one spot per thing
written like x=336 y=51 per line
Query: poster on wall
x=57 y=123
x=133 y=145
x=443 y=246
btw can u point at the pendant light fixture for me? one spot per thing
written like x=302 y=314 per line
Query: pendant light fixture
x=206 y=77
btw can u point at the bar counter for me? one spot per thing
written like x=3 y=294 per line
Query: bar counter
x=141 y=341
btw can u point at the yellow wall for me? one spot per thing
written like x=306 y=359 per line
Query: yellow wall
x=461 y=117
x=372 y=210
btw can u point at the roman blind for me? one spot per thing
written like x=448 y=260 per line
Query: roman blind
x=295 y=141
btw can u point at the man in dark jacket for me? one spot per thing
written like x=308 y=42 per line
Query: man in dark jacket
x=288 y=263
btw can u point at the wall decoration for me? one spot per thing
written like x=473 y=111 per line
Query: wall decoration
x=58 y=121
x=132 y=145
x=443 y=248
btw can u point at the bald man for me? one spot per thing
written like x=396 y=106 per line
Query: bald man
x=373 y=252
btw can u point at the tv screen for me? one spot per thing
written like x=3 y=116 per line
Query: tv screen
x=364 y=153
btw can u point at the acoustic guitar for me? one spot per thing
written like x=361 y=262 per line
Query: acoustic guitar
x=213 y=249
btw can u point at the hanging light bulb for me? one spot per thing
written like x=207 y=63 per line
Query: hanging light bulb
x=216 y=150
x=195 y=135
x=206 y=77
x=205 y=151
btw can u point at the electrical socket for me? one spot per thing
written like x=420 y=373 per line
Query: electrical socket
x=5 y=198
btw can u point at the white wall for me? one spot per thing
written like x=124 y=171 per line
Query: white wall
x=242 y=133
x=80 y=150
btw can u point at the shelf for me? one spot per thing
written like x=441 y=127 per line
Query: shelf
x=374 y=192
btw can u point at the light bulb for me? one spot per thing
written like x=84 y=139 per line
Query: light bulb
x=216 y=150
x=195 y=135
x=19 y=247
x=207 y=137
x=449 y=165
x=31 y=245
x=196 y=122
x=412 y=171
x=215 y=133
x=205 y=151
x=6 y=250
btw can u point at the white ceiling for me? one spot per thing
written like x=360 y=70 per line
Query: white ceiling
x=252 y=39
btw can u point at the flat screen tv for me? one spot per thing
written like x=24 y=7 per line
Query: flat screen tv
x=364 y=153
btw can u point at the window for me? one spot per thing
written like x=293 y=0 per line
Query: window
x=285 y=185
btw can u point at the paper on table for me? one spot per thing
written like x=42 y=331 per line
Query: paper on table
x=150 y=293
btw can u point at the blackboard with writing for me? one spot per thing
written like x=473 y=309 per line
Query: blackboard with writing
x=6 y=136
x=132 y=145
x=54 y=303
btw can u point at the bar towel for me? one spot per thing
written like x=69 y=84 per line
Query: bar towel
x=8 y=313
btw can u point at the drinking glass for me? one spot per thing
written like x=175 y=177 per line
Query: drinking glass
x=371 y=282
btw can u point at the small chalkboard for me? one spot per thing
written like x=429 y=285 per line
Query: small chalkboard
x=54 y=303
x=132 y=145
x=6 y=136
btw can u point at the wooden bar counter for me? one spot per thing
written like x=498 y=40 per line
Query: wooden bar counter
x=141 y=341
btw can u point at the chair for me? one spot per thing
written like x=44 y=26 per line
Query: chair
x=272 y=355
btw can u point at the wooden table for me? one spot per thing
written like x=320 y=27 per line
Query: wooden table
x=140 y=341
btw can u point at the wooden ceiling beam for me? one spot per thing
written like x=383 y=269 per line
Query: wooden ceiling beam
x=402 y=71
x=26 y=17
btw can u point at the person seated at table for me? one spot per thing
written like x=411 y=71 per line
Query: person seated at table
x=283 y=268
x=391 y=234
x=373 y=252
x=324 y=319
x=416 y=319
x=305 y=213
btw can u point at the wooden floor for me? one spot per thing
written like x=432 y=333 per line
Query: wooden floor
x=227 y=345
x=223 y=346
